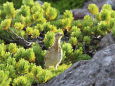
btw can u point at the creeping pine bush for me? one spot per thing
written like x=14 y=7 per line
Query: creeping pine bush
x=61 y=5
x=49 y=39
x=20 y=66
x=67 y=49
x=39 y=54
x=21 y=81
x=4 y=78
x=20 y=2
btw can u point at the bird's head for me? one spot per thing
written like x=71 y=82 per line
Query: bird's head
x=58 y=35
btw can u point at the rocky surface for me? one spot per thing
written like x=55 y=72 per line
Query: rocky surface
x=99 y=71
x=106 y=41
x=80 y=13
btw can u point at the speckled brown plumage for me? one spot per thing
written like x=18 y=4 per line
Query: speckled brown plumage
x=53 y=56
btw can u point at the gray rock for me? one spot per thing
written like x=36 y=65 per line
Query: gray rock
x=99 y=71
x=106 y=41
x=79 y=13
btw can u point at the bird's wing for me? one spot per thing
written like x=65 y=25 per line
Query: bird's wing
x=49 y=53
x=47 y=56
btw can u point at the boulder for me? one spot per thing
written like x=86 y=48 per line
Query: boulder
x=99 y=71
x=113 y=4
x=80 y=13
x=107 y=40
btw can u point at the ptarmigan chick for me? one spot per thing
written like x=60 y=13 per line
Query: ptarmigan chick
x=53 y=56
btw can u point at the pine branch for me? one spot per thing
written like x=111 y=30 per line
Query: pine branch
x=21 y=41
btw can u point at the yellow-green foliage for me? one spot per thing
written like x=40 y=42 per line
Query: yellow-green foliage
x=9 y=10
x=4 y=78
x=28 y=2
x=23 y=67
x=29 y=30
x=5 y=24
x=18 y=26
x=50 y=13
x=73 y=41
x=17 y=69
x=93 y=9
x=63 y=5
x=67 y=50
x=75 y=32
x=39 y=54
x=2 y=51
x=87 y=39
x=21 y=81
x=12 y=48
x=49 y=39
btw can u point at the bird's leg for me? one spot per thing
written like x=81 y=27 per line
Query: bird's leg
x=56 y=66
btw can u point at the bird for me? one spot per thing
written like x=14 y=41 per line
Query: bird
x=53 y=55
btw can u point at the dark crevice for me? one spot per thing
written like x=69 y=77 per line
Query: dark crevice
x=93 y=84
